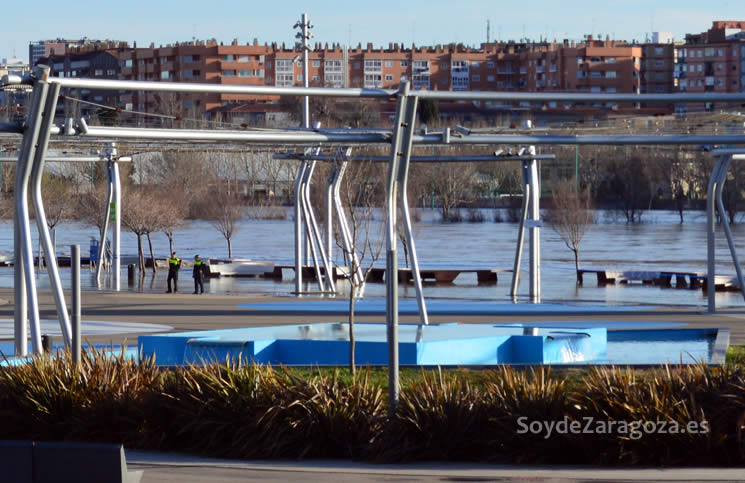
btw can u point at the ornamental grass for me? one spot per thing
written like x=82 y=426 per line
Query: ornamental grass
x=238 y=410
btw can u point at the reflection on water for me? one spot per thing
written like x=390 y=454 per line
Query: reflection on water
x=659 y=243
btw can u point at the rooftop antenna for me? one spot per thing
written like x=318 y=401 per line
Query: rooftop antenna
x=194 y=32
x=488 y=31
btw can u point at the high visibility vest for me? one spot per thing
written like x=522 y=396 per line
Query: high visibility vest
x=197 y=263
x=174 y=261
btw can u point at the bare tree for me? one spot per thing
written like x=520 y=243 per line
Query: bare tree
x=571 y=216
x=224 y=212
x=359 y=200
x=142 y=214
x=452 y=183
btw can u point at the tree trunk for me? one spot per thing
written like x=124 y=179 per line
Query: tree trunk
x=140 y=254
x=352 y=290
x=576 y=266
x=230 y=249
x=169 y=234
x=152 y=255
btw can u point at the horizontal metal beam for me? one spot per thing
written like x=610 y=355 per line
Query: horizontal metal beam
x=195 y=87
x=307 y=137
x=586 y=140
x=414 y=159
x=69 y=159
x=682 y=97
x=727 y=151
x=352 y=137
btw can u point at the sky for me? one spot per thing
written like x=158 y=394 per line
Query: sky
x=380 y=22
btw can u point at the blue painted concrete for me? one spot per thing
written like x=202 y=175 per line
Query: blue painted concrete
x=436 y=307
x=327 y=344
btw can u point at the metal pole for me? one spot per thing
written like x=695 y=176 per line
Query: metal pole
x=391 y=259
x=346 y=235
x=305 y=25
x=45 y=239
x=330 y=214
x=535 y=230
x=23 y=173
x=76 y=348
x=299 y=228
x=20 y=312
x=117 y=219
x=722 y=214
x=403 y=176
x=105 y=232
x=521 y=231
x=711 y=237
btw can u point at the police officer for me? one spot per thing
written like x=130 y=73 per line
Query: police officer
x=198 y=275
x=174 y=265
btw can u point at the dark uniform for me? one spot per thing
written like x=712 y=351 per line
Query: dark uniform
x=174 y=265
x=198 y=275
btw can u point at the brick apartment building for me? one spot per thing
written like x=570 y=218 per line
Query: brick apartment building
x=93 y=60
x=712 y=61
x=592 y=66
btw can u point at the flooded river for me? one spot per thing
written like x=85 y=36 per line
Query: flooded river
x=659 y=243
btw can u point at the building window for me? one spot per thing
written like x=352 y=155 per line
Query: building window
x=490 y=64
x=475 y=64
x=316 y=63
x=188 y=59
x=284 y=65
x=420 y=74
x=316 y=78
x=373 y=80
x=389 y=78
x=191 y=73
x=165 y=75
x=444 y=66
x=228 y=73
x=373 y=65
x=111 y=72
x=490 y=78
x=356 y=65
x=300 y=77
x=611 y=74
x=228 y=58
x=389 y=63
x=98 y=72
x=404 y=63
x=244 y=58
x=404 y=77
x=268 y=64
x=700 y=68
x=476 y=78
x=659 y=50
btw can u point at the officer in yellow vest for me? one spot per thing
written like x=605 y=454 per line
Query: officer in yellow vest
x=174 y=265
x=198 y=275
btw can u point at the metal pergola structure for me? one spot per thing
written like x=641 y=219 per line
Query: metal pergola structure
x=40 y=127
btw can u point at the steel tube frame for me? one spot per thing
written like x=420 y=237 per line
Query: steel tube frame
x=330 y=213
x=116 y=232
x=720 y=206
x=75 y=346
x=45 y=238
x=23 y=252
x=314 y=238
x=415 y=159
x=299 y=228
x=346 y=236
x=521 y=231
x=535 y=229
x=372 y=138
x=107 y=215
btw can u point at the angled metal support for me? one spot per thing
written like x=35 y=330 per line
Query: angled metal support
x=115 y=216
x=299 y=228
x=37 y=173
x=403 y=178
x=308 y=228
x=23 y=251
x=521 y=230
x=329 y=199
x=106 y=215
x=716 y=205
x=534 y=223
x=403 y=127
x=316 y=243
x=344 y=231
